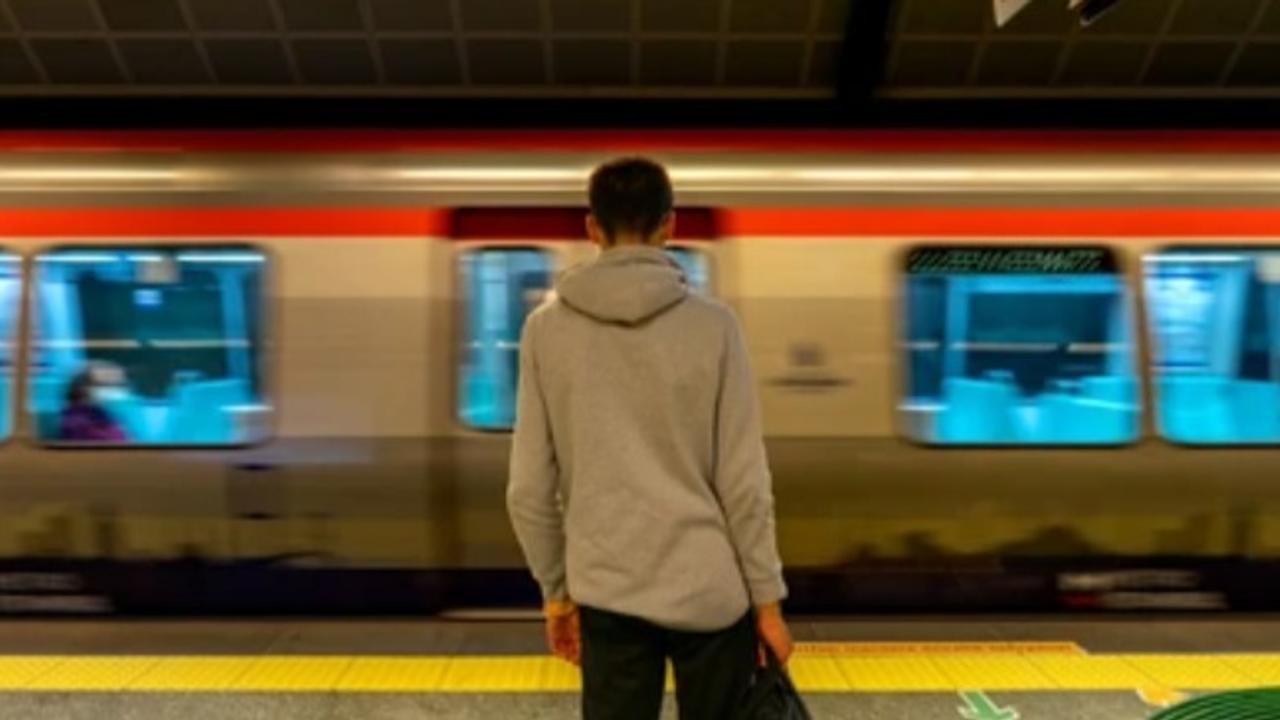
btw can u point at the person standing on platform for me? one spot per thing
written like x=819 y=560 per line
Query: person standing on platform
x=639 y=488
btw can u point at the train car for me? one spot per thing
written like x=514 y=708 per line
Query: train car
x=998 y=372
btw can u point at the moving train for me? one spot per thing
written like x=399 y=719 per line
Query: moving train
x=998 y=372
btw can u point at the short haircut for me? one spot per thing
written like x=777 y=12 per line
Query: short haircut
x=631 y=195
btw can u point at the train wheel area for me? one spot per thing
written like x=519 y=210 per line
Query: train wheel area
x=971 y=668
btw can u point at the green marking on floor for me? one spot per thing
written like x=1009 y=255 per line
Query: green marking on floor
x=977 y=706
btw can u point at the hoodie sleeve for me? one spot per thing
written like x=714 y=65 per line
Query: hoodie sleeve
x=533 y=489
x=742 y=479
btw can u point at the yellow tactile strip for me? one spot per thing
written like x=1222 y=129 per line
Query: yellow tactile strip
x=883 y=668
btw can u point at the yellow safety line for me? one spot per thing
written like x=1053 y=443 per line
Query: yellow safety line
x=816 y=668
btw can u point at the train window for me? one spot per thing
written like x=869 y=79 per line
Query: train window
x=148 y=346
x=500 y=287
x=1018 y=346
x=694 y=264
x=1214 y=319
x=10 y=300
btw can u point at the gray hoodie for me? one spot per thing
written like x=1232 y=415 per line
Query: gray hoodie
x=639 y=482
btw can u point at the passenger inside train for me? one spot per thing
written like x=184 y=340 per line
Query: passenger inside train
x=84 y=418
x=183 y=329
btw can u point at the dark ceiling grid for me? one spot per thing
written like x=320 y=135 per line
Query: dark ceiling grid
x=20 y=33
x=898 y=29
x=460 y=43
x=980 y=50
x=1171 y=13
x=285 y=40
x=371 y=41
x=1255 y=24
x=722 y=41
x=1064 y=55
x=545 y=36
x=95 y=7
x=810 y=40
x=202 y=51
x=635 y=12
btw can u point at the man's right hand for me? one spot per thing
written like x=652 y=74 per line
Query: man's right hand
x=564 y=635
x=773 y=632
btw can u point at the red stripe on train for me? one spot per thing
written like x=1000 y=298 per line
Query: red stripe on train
x=1004 y=222
x=555 y=224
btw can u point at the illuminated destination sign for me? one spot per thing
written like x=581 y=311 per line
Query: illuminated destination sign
x=955 y=260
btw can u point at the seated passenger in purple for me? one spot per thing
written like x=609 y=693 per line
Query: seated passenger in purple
x=83 y=419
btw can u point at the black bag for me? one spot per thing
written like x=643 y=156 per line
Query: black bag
x=772 y=696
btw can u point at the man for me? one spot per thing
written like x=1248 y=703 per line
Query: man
x=639 y=487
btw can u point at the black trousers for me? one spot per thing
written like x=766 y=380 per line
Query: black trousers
x=624 y=668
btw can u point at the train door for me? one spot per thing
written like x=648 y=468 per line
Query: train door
x=506 y=261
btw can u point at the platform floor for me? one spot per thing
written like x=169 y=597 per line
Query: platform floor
x=980 y=669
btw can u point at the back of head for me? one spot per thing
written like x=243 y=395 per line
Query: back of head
x=631 y=215
x=631 y=196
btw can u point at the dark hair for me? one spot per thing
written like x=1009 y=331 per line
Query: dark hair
x=630 y=195
x=79 y=387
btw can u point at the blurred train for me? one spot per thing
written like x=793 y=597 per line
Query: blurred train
x=998 y=372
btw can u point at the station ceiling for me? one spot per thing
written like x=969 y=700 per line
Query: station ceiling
x=634 y=48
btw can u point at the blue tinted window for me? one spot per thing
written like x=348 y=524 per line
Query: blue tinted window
x=500 y=288
x=694 y=264
x=10 y=297
x=143 y=346
x=1214 y=318
x=1018 y=346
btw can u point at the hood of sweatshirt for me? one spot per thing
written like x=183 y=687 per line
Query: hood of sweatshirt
x=625 y=285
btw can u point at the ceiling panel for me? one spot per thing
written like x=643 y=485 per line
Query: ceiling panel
x=14 y=67
x=593 y=62
x=770 y=16
x=409 y=15
x=1270 y=20
x=335 y=62
x=588 y=15
x=678 y=62
x=833 y=15
x=421 y=62
x=1189 y=63
x=510 y=15
x=824 y=65
x=1104 y=63
x=322 y=15
x=1213 y=17
x=142 y=15
x=1027 y=62
x=55 y=15
x=507 y=62
x=1259 y=64
x=932 y=63
x=77 y=61
x=164 y=62
x=764 y=63
x=751 y=48
x=249 y=62
x=680 y=15
x=232 y=15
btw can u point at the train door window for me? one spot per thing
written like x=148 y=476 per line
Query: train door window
x=1214 y=319
x=500 y=287
x=695 y=266
x=148 y=346
x=10 y=301
x=1018 y=346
